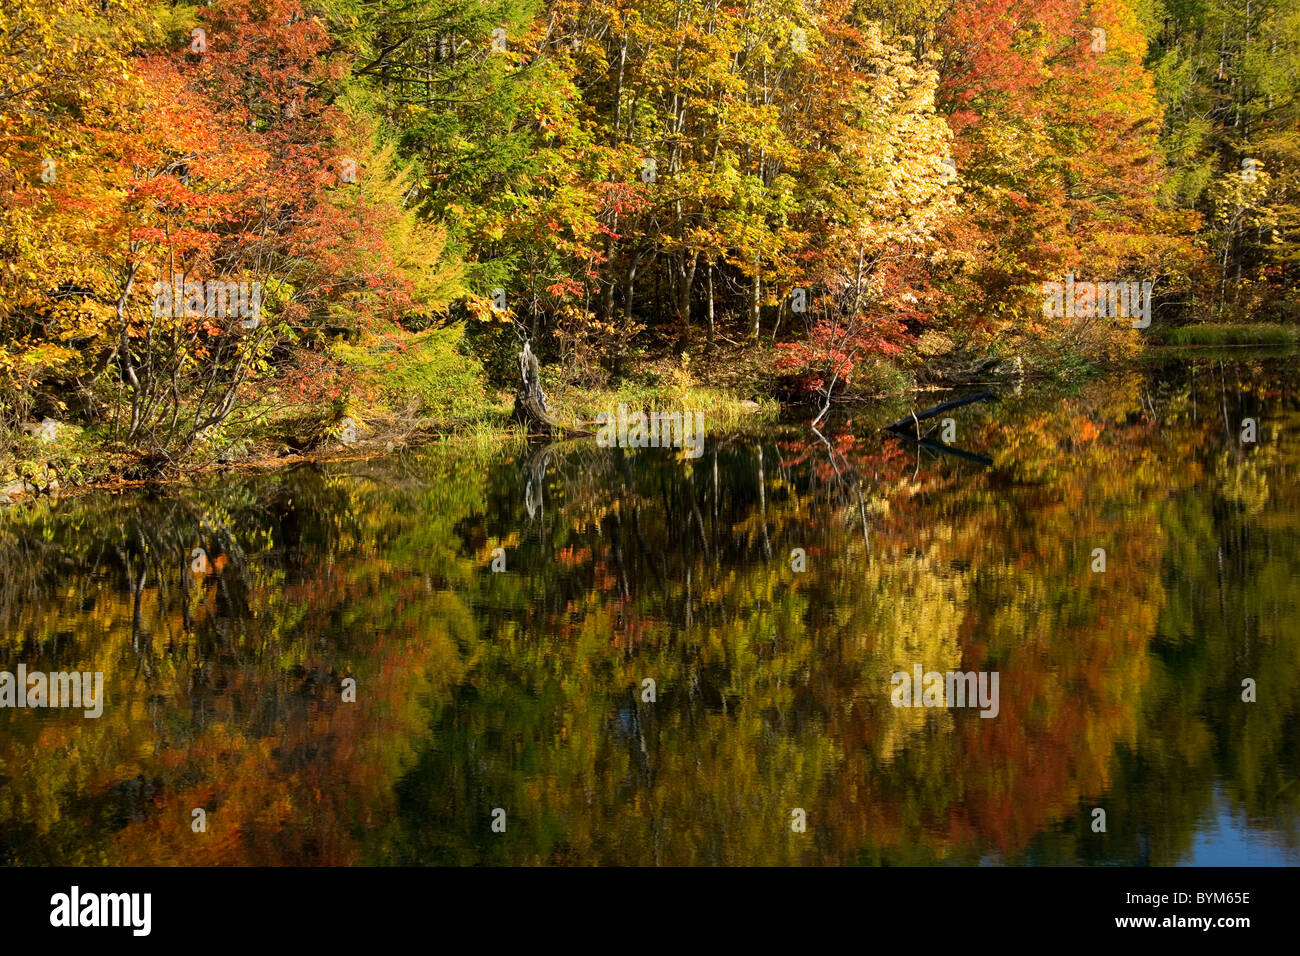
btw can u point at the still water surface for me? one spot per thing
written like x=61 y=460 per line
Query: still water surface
x=523 y=689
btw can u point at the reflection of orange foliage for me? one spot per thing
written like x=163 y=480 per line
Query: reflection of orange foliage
x=296 y=788
x=1069 y=681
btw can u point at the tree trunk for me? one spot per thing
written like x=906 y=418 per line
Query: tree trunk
x=607 y=308
x=686 y=278
x=629 y=315
x=710 y=306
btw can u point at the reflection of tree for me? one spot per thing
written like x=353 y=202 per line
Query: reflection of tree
x=522 y=689
x=223 y=688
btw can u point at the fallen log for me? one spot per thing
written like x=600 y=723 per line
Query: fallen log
x=937 y=410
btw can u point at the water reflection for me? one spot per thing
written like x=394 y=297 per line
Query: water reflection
x=523 y=690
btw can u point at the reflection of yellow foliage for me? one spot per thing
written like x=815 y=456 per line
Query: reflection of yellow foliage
x=1242 y=482
x=916 y=613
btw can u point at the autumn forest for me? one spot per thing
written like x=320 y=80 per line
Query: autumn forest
x=671 y=433
x=779 y=201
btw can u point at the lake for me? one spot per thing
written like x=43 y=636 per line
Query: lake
x=470 y=654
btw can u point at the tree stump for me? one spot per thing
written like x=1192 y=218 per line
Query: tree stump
x=531 y=407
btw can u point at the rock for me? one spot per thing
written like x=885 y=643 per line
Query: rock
x=48 y=430
x=37 y=485
x=1012 y=369
x=348 y=431
x=749 y=406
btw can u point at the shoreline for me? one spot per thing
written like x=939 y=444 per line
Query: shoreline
x=727 y=406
